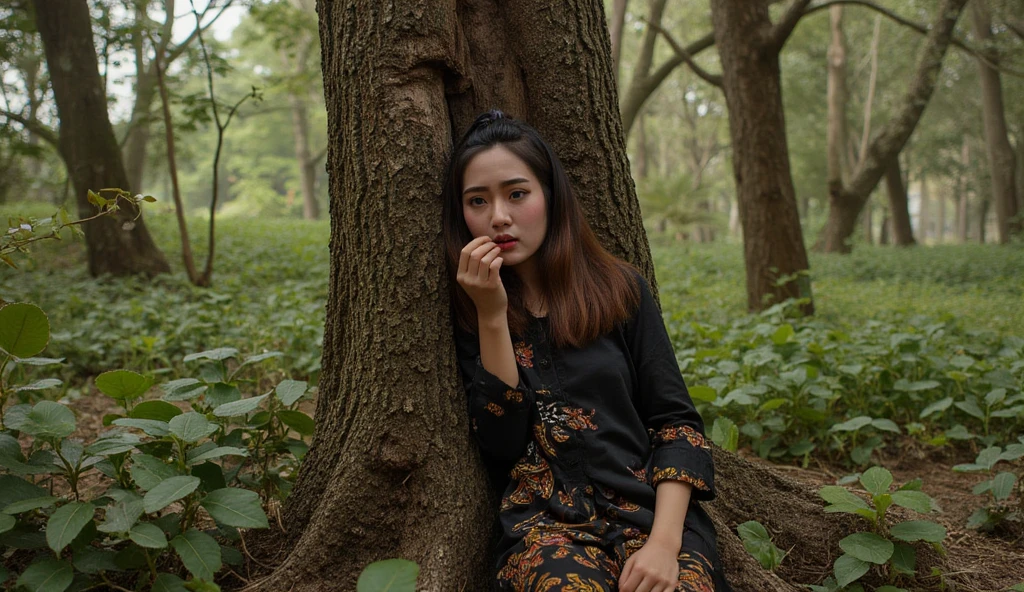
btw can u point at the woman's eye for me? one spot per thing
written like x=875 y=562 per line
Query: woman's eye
x=476 y=201
x=518 y=193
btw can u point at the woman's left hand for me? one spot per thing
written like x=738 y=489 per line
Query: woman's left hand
x=654 y=568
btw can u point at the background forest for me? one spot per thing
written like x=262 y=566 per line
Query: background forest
x=906 y=384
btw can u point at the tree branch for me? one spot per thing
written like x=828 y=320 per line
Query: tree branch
x=713 y=79
x=181 y=47
x=784 y=28
x=46 y=134
x=1015 y=25
x=319 y=156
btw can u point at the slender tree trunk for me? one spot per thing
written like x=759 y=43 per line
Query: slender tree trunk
x=119 y=244
x=307 y=168
x=940 y=233
x=884 y=228
x=902 y=233
x=868 y=223
x=772 y=241
x=983 y=208
x=962 y=209
x=924 y=211
x=641 y=78
x=837 y=99
x=137 y=143
x=616 y=28
x=641 y=149
x=1001 y=158
x=846 y=203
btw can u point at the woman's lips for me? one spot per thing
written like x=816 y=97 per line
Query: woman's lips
x=508 y=244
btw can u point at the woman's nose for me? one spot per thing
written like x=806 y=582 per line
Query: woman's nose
x=500 y=215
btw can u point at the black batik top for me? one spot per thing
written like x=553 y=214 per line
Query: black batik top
x=596 y=427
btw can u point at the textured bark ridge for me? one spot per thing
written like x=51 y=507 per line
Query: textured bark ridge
x=117 y=244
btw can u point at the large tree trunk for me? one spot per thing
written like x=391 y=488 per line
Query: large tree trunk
x=1001 y=158
x=117 y=244
x=902 y=232
x=847 y=201
x=772 y=240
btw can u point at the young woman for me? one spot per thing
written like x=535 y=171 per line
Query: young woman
x=574 y=392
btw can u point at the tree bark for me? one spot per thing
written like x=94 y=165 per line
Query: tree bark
x=1001 y=157
x=846 y=202
x=630 y=110
x=836 y=95
x=772 y=240
x=868 y=223
x=902 y=232
x=118 y=244
x=962 y=211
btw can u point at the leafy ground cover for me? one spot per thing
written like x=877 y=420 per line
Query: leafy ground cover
x=915 y=360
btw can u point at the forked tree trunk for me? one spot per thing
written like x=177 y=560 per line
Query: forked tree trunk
x=902 y=232
x=1001 y=157
x=117 y=244
x=773 y=243
x=846 y=202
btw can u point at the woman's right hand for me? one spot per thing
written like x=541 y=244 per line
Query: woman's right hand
x=479 y=264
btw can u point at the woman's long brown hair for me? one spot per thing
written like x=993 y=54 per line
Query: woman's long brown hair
x=587 y=290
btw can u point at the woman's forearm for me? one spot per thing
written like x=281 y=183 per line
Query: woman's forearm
x=496 y=353
x=671 y=500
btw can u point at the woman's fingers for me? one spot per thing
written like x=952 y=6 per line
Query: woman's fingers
x=467 y=252
x=477 y=266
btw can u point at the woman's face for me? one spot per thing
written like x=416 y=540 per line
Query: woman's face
x=502 y=199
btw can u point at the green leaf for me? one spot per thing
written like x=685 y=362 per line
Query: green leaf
x=1002 y=485
x=851 y=425
x=917 y=501
x=239 y=407
x=989 y=457
x=303 y=424
x=867 y=546
x=155 y=410
x=151 y=427
x=34 y=503
x=191 y=427
x=121 y=516
x=995 y=396
x=34 y=361
x=904 y=559
x=15 y=489
x=289 y=391
x=220 y=393
x=783 y=334
x=221 y=353
x=918 y=530
x=848 y=569
x=47 y=576
x=123 y=385
x=390 y=575
x=39 y=385
x=886 y=425
x=217 y=452
x=703 y=393
x=92 y=561
x=168 y=491
x=876 y=480
x=66 y=522
x=116 y=444
x=912 y=485
x=166 y=582
x=182 y=389
x=240 y=508
x=841 y=499
x=7 y=522
x=936 y=407
x=148 y=535
x=970 y=407
x=261 y=357
x=24 y=329
x=199 y=552
x=149 y=471
x=49 y=420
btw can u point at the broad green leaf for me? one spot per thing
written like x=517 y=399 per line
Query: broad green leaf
x=148 y=471
x=15 y=489
x=34 y=361
x=49 y=420
x=912 y=485
x=123 y=385
x=24 y=329
x=191 y=427
x=220 y=393
x=961 y=361
x=47 y=576
x=876 y=480
x=261 y=357
x=240 y=508
x=7 y=522
x=970 y=407
x=995 y=396
x=1002 y=485
x=849 y=569
x=783 y=334
x=887 y=425
x=851 y=425
x=239 y=407
x=168 y=491
x=199 y=552
x=121 y=516
x=703 y=393
x=303 y=424
x=91 y=560
x=155 y=410
x=989 y=457
x=390 y=575
x=218 y=452
x=936 y=407
x=923 y=385
x=151 y=427
x=166 y=582
x=221 y=353
x=918 y=530
x=754 y=532
x=39 y=385
x=34 y=503
x=840 y=496
x=182 y=389
x=148 y=535
x=917 y=501
x=66 y=522
x=980 y=517
x=289 y=391
x=867 y=546
x=115 y=444
x=904 y=559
